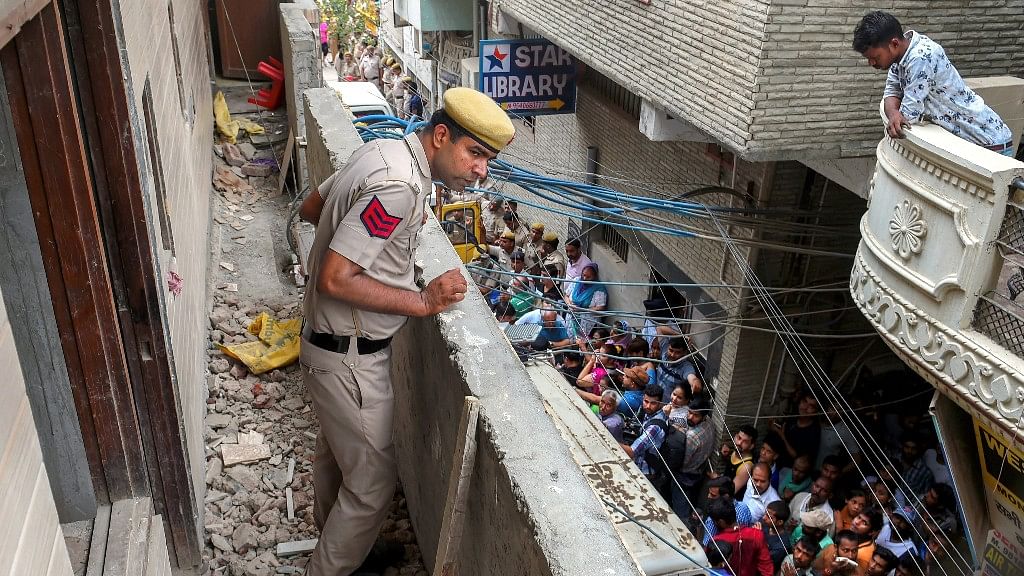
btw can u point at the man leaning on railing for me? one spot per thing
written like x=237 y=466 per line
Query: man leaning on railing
x=924 y=85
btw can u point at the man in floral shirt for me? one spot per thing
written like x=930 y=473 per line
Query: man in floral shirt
x=924 y=85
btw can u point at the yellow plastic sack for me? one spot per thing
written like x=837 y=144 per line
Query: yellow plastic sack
x=227 y=127
x=250 y=126
x=278 y=344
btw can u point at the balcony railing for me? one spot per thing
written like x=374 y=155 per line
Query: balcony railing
x=1000 y=313
x=940 y=267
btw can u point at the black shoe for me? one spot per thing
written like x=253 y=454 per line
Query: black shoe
x=382 y=555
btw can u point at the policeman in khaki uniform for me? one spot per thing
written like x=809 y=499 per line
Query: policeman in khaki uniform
x=361 y=290
x=533 y=248
x=550 y=254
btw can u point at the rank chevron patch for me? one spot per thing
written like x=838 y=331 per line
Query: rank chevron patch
x=378 y=223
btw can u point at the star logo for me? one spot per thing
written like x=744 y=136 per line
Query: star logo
x=498 y=58
x=377 y=221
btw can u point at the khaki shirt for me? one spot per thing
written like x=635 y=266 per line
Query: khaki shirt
x=498 y=277
x=493 y=224
x=346 y=69
x=522 y=234
x=533 y=257
x=373 y=209
x=370 y=67
x=557 y=259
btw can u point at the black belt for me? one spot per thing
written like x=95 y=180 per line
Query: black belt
x=339 y=344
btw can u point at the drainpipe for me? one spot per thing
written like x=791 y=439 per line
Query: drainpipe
x=476 y=29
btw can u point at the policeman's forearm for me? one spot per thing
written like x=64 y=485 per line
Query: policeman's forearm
x=362 y=292
x=311 y=207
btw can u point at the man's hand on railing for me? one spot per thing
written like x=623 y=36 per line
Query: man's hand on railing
x=897 y=122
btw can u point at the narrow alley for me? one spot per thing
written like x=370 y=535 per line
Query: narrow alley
x=261 y=429
x=630 y=288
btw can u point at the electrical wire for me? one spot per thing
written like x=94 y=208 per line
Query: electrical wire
x=731 y=242
x=823 y=384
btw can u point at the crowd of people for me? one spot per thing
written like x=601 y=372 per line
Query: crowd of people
x=800 y=497
x=363 y=61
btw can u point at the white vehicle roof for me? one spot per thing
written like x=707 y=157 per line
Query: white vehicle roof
x=363 y=98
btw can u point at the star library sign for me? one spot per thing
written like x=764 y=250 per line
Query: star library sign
x=528 y=77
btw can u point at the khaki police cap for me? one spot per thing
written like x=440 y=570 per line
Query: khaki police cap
x=549 y=237
x=480 y=116
x=537 y=226
x=508 y=235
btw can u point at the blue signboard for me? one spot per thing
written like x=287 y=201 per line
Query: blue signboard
x=528 y=77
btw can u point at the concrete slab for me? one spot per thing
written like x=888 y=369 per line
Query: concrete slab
x=615 y=478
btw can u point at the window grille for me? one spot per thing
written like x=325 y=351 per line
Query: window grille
x=615 y=241
x=612 y=92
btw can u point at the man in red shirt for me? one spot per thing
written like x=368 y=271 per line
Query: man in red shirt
x=750 y=555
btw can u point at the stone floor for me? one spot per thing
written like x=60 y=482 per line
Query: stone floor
x=247 y=510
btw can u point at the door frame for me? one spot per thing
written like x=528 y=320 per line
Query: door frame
x=89 y=205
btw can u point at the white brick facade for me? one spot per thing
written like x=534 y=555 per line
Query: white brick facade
x=185 y=138
x=771 y=80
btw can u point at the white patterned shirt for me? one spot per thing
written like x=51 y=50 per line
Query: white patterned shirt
x=930 y=88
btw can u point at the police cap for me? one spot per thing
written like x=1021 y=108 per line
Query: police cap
x=477 y=114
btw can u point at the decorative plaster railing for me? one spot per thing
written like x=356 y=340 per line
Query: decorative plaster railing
x=932 y=246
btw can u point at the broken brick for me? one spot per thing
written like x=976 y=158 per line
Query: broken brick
x=253 y=169
x=233 y=155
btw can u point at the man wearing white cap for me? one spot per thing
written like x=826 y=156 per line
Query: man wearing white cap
x=361 y=291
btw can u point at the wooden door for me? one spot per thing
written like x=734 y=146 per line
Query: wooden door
x=248 y=31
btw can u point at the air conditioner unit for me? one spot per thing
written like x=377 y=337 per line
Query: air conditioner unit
x=659 y=126
x=470 y=72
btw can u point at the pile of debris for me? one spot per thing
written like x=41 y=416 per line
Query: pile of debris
x=261 y=430
x=260 y=437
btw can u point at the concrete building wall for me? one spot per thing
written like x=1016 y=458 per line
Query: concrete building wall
x=530 y=510
x=31 y=540
x=302 y=64
x=181 y=104
x=772 y=80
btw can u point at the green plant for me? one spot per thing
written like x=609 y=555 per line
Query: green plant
x=342 y=20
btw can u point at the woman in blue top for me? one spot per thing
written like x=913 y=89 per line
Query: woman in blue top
x=586 y=300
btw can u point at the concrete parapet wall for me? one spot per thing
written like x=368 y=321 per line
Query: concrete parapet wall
x=300 y=47
x=530 y=510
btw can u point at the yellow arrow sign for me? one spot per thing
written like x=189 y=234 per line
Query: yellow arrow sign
x=556 y=104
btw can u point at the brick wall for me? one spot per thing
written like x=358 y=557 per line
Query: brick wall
x=814 y=94
x=31 y=541
x=771 y=80
x=661 y=52
x=185 y=131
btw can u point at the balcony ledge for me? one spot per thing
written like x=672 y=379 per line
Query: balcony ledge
x=927 y=255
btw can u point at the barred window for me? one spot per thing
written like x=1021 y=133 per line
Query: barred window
x=614 y=93
x=615 y=241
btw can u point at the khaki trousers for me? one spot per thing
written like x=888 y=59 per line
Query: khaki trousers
x=354 y=470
